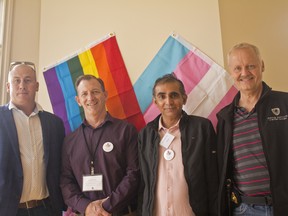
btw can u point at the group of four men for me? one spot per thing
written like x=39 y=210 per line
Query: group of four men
x=176 y=165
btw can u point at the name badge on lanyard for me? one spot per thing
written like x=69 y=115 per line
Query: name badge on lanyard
x=92 y=183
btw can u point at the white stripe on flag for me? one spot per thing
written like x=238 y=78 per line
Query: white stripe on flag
x=208 y=92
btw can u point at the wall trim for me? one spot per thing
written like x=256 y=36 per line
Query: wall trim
x=6 y=48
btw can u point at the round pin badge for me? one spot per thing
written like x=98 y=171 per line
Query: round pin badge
x=108 y=147
x=169 y=154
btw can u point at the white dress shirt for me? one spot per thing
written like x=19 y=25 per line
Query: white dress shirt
x=31 y=148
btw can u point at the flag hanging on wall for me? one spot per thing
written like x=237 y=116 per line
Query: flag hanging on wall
x=208 y=86
x=101 y=59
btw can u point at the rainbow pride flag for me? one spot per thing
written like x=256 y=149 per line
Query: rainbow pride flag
x=102 y=59
x=208 y=86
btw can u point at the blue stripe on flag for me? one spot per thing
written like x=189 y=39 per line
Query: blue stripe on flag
x=66 y=83
x=163 y=63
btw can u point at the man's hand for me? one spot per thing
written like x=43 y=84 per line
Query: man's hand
x=95 y=209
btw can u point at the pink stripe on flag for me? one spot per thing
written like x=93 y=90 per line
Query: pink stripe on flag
x=227 y=99
x=190 y=70
x=151 y=113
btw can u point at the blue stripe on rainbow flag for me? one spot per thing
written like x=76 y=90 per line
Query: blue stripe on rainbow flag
x=66 y=83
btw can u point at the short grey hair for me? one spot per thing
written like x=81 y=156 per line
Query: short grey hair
x=245 y=46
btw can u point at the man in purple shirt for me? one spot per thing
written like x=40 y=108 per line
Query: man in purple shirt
x=100 y=172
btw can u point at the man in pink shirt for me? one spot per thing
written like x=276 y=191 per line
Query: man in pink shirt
x=177 y=157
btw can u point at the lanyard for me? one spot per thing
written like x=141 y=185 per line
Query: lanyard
x=92 y=154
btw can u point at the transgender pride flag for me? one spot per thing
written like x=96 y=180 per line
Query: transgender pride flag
x=102 y=59
x=208 y=86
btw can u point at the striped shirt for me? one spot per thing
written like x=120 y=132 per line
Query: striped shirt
x=250 y=167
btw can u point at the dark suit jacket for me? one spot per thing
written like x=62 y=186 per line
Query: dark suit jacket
x=11 y=173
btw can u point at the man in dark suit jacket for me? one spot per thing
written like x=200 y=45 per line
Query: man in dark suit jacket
x=30 y=150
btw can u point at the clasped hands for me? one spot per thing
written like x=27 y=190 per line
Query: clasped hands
x=95 y=209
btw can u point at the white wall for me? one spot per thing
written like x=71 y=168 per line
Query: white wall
x=141 y=28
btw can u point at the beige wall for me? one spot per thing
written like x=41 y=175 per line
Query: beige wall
x=48 y=30
x=264 y=23
x=21 y=36
x=141 y=28
x=25 y=31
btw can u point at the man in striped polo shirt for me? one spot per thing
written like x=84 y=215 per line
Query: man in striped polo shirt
x=252 y=141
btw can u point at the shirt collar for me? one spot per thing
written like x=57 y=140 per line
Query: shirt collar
x=161 y=126
x=265 y=90
x=108 y=118
x=36 y=110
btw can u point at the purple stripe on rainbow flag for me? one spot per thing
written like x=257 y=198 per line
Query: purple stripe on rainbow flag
x=56 y=97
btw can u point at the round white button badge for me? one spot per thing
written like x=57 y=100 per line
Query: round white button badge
x=108 y=147
x=169 y=154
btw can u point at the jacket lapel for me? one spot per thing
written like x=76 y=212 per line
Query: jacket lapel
x=45 y=134
x=11 y=131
